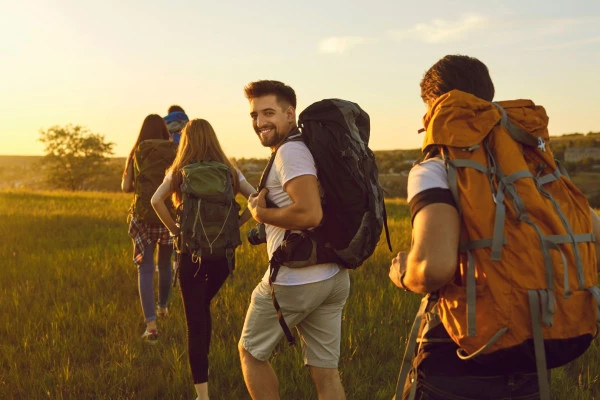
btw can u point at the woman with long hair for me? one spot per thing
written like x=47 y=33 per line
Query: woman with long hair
x=199 y=280
x=148 y=234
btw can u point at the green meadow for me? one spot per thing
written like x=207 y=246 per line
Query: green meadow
x=71 y=320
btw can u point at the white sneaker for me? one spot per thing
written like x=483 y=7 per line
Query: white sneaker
x=150 y=336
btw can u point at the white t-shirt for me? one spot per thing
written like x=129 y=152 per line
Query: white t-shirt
x=293 y=159
x=426 y=175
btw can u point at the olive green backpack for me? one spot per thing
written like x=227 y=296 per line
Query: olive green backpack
x=208 y=215
x=151 y=160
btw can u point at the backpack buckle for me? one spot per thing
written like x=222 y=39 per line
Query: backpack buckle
x=541 y=145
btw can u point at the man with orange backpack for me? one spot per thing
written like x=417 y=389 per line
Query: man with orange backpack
x=503 y=243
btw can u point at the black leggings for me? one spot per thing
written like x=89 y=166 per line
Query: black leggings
x=196 y=293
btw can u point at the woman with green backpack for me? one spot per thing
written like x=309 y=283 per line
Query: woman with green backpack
x=145 y=168
x=203 y=184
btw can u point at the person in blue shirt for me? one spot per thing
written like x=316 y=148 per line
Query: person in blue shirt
x=176 y=120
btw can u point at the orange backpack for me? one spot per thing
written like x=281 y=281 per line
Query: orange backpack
x=527 y=265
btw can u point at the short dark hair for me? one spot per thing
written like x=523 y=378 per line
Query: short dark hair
x=174 y=108
x=464 y=73
x=283 y=92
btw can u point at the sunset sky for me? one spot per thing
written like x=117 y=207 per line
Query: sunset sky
x=107 y=64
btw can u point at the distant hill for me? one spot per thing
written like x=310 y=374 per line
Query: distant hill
x=574 y=141
x=21 y=172
x=393 y=165
x=28 y=172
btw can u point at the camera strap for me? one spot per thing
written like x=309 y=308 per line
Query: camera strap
x=274 y=265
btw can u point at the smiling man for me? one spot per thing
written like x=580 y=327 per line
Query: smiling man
x=311 y=298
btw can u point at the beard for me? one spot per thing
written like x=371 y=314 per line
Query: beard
x=272 y=139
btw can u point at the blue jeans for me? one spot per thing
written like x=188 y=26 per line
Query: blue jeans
x=146 y=279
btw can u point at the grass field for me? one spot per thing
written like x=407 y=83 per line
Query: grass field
x=71 y=317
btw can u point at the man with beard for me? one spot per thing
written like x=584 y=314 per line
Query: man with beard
x=311 y=298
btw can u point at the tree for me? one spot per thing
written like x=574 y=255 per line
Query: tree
x=74 y=156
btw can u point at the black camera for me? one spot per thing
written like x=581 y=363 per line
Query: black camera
x=257 y=235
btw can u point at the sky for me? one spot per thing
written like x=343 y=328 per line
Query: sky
x=106 y=65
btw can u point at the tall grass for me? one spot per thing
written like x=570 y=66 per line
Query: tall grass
x=71 y=321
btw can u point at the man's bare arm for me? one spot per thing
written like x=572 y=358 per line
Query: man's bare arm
x=304 y=212
x=432 y=261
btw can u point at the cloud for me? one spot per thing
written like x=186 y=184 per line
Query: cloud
x=339 y=44
x=573 y=43
x=560 y=26
x=442 y=31
x=548 y=33
x=569 y=32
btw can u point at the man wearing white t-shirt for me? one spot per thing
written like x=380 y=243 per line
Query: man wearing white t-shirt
x=439 y=370
x=311 y=298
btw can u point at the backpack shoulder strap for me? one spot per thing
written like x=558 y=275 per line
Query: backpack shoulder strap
x=295 y=136
x=265 y=173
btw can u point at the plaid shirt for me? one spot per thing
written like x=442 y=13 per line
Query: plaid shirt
x=144 y=234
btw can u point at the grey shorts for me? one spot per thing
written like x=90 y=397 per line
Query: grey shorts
x=315 y=309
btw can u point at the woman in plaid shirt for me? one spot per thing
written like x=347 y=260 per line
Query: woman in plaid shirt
x=148 y=236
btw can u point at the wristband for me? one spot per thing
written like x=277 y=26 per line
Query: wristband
x=402 y=282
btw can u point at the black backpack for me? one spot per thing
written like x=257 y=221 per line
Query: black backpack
x=337 y=134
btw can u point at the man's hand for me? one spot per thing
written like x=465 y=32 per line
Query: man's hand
x=256 y=201
x=397 y=268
